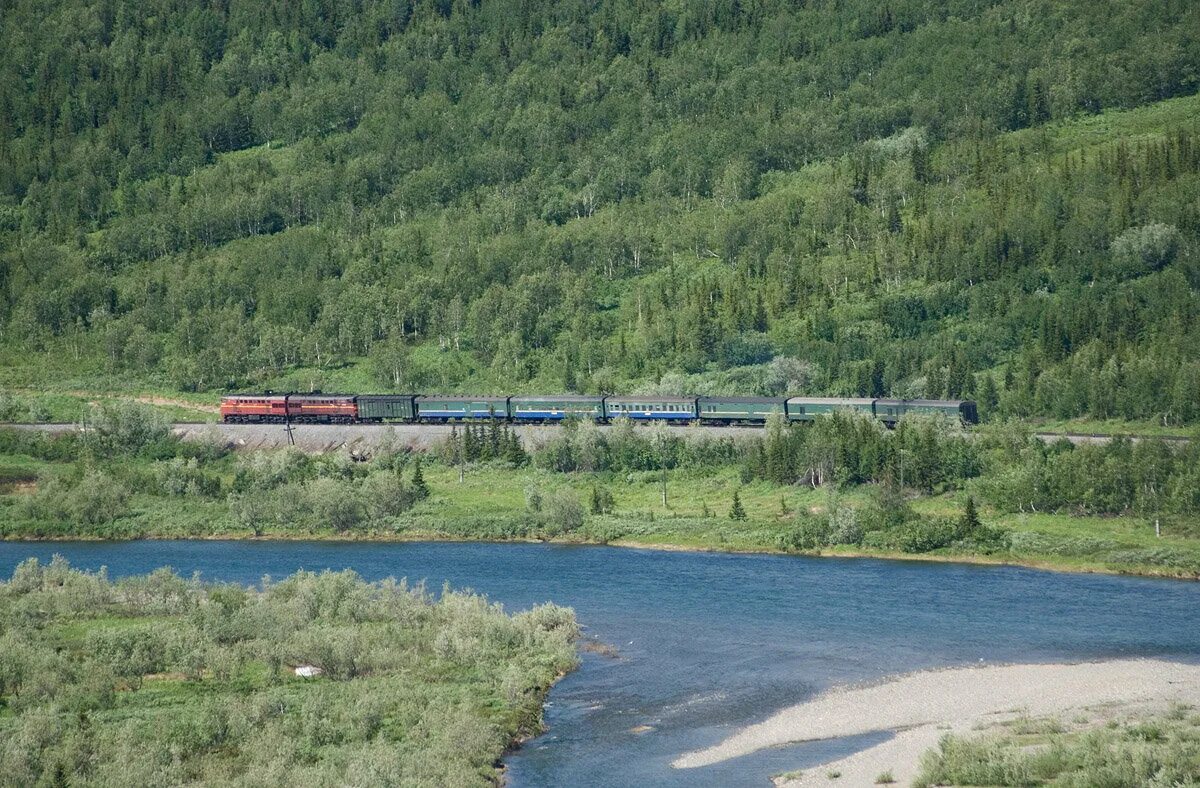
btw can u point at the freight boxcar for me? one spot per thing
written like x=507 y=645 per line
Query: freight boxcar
x=667 y=409
x=556 y=407
x=386 y=407
x=254 y=409
x=321 y=408
x=739 y=410
x=809 y=408
x=443 y=408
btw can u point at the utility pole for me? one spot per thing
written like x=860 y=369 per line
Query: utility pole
x=660 y=435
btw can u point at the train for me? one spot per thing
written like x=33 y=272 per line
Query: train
x=318 y=408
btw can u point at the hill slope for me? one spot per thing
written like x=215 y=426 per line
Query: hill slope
x=756 y=197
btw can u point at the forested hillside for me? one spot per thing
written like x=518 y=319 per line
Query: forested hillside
x=992 y=199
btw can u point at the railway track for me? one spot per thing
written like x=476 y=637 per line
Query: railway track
x=333 y=437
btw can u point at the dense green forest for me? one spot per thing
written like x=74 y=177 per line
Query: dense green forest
x=158 y=680
x=990 y=199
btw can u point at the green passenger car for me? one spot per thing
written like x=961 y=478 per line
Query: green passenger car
x=443 y=408
x=556 y=407
x=740 y=410
x=386 y=407
x=809 y=408
x=954 y=409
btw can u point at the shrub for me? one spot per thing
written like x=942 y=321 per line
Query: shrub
x=602 y=500
x=268 y=470
x=97 y=499
x=564 y=511
x=533 y=499
x=385 y=495
x=1150 y=247
x=185 y=477
x=252 y=511
x=922 y=536
x=809 y=533
x=844 y=528
x=334 y=503
x=128 y=428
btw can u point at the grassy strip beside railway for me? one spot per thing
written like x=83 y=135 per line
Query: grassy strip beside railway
x=29 y=406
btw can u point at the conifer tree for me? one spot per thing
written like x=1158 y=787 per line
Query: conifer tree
x=514 y=453
x=969 y=523
x=420 y=489
x=736 y=511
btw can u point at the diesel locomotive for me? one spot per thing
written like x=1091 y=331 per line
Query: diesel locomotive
x=320 y=408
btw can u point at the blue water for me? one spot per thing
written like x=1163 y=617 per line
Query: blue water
x=708 y=643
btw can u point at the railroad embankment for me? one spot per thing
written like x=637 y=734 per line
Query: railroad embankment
x=321 y=438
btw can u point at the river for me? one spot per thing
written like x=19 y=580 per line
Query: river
x=709 y=642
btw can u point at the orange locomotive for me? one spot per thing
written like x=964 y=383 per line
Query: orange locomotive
x=298 y=408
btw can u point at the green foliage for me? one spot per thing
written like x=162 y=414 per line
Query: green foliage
x=85 y=499
x=120 y=427
x=160 y=680
x=1160 y=751
x=853 y=448
x=809 y=533
x=475 y=442
x=1151 y=476
x=185 y=477
x=582 y=446
x=334 y=503
x=601 y=501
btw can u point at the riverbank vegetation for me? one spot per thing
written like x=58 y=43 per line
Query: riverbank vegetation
x=157 y=679
x=844 y=485
x=1137 y=750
